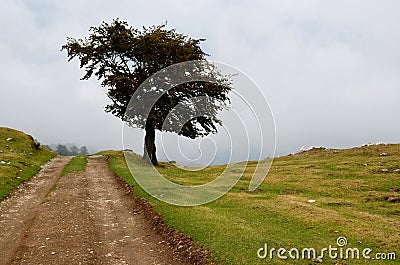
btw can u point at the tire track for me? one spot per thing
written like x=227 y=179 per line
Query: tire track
x=19 y=211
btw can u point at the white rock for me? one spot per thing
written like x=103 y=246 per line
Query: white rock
x=302 y=149
x=9 y=139
x=311 y=201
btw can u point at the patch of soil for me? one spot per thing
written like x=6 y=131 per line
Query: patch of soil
x=286 y=192
x=393 y=198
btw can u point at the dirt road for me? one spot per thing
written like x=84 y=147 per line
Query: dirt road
x=79 y=218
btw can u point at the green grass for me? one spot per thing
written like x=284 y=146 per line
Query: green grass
x=22 y=158
x=77 y=163
x=350 y=189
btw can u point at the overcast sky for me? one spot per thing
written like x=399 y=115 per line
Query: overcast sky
x=329 y=69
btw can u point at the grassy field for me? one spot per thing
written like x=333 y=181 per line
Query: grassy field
x=356 y=193
x=77 y=163
x=20 y=159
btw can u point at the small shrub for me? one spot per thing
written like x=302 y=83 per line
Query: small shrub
x=35 y=145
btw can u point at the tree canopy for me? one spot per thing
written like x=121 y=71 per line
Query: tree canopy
x=122 y=58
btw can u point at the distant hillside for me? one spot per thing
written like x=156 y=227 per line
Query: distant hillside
x=20 y=158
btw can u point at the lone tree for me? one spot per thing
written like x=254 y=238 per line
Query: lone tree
x=122 y=58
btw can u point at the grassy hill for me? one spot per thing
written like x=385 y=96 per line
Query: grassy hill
x=20 y=158
x=308 y=200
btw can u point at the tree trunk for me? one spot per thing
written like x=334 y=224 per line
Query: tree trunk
x=149 y=152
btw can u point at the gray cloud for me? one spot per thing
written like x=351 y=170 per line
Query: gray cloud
x=330 y=69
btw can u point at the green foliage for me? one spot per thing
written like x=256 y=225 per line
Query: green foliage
x=20 y=158
x=122 y=58
x=83 y=151
x=77 y=163
x=71 y=151
x=62 y=150
x=353 y=198
x=35 y=145
x=74 y=150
